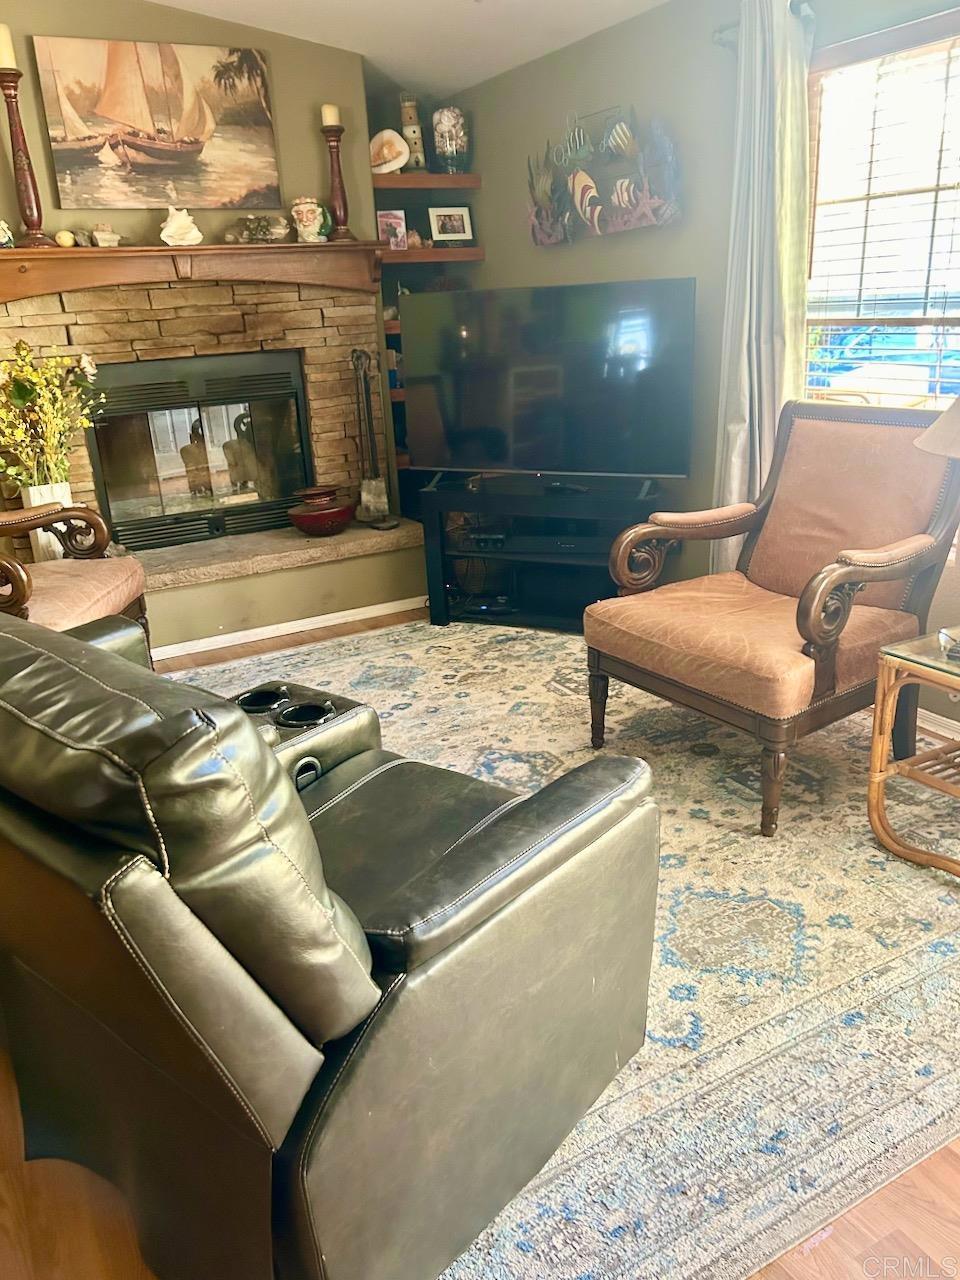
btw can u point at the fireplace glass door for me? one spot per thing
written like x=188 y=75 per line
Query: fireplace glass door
x=178 y=472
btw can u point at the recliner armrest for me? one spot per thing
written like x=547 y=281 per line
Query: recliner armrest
x=502 y=856
x=117 y=635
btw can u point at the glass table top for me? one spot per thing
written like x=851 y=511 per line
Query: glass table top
x=930 y=650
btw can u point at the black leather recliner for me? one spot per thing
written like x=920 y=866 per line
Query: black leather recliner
x=279 y=1082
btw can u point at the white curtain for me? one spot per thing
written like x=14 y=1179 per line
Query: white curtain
x=763 y=327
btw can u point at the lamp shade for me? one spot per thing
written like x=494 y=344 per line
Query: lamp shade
x=943 y=436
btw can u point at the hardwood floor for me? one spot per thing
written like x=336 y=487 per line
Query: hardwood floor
x=61 y=1222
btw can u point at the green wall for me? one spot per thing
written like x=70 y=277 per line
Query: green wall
x=302 y=75
x=664 y=63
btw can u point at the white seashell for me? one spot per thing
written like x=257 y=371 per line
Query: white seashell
x=179 y=228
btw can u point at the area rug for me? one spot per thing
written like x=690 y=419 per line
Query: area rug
x=804 y=1029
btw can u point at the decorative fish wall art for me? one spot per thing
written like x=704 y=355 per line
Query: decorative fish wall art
x=606 y=174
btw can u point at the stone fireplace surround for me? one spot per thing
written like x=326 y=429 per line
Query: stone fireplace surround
x=127 y=322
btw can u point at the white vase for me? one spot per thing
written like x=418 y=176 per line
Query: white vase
x=44 y=544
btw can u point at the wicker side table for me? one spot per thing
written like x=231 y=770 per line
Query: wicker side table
x=915 y=662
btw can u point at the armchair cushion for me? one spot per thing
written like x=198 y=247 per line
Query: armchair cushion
x=68 y=593
x=731 y=638
x=845 y=484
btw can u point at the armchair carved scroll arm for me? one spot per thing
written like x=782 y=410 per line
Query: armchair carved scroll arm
x=637 y=556
x=828 y=598
x=80 y=530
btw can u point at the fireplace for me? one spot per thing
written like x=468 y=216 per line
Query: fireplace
x=200 y=446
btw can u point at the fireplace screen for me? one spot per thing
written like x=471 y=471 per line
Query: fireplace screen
x=193 y=448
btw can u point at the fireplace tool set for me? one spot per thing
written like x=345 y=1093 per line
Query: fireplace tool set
x=374 y=508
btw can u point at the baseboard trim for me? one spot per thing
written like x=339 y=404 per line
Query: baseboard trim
x=938 y=724
x=226 y=639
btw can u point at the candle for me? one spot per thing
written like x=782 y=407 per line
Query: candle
x=329 y=114
x=8 y=59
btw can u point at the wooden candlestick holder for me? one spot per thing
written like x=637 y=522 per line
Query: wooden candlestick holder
x=28 y=197
x=338 y=195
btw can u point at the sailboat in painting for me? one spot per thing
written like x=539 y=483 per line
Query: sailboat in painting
x=141 y=142
x=79 y=144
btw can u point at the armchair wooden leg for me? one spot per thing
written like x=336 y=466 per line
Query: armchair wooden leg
x=599 y=687
x=773 y=771
x=905 y=722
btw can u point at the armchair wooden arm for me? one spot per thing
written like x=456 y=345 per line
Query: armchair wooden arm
x=80 y=531
x=16 y=587
x=638 y=555
x=827 y=600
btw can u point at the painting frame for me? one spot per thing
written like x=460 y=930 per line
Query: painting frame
x=149 y=124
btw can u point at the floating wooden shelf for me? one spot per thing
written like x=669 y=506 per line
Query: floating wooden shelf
x=417 y=180
x=391 y=326
x=398 y=256
x=397 y=394
x=350 y=264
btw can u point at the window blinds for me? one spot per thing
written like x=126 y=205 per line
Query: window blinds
x=883 y=323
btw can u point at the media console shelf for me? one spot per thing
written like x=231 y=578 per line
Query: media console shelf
x=552 y=543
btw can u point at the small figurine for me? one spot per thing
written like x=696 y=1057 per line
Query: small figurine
x=104 y=236
x=311 y=219
x=414 y=240
x=179 y=228
x=410 y=125
x=6 y=237
x=65 y=239
x=257 y=228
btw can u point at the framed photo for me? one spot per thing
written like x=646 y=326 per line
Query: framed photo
x=392 y=227
x=139 y=125
x=451 y=223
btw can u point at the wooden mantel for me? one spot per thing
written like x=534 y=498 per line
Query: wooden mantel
x=25 y=273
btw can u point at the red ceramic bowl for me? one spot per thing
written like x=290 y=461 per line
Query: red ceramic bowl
x=320 y=520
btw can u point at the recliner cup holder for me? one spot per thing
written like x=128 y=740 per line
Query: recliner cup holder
x=305 y=715
x=260 y=702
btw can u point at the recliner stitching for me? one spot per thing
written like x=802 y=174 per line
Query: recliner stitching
x=122 y=693
x=154 y=979
x=122 y=765
x=354 y=786
x=328 y=912
x=610 y=795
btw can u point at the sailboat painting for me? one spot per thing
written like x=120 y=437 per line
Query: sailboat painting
x=136 y=125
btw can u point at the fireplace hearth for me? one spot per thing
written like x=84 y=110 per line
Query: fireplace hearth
x=200 y=446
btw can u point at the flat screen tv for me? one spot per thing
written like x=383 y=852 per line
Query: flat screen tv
x=587 y=379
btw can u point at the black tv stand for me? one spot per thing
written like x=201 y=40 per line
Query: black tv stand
x=543 y=546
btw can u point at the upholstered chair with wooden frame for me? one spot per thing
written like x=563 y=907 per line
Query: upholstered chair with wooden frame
x=84 y=586
x=843 y=551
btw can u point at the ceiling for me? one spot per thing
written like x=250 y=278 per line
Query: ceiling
x=432 y=46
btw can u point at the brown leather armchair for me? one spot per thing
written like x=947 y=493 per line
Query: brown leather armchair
x=82 y=587
x=295 y=1067
x=788 y=642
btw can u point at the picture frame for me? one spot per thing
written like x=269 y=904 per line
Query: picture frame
x=451 y=224
x=392 y=227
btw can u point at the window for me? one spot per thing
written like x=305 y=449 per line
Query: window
x=883 y=314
